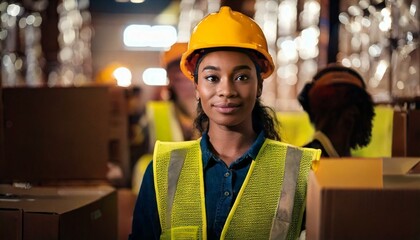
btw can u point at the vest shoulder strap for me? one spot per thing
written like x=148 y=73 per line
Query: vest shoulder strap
x=273 y=192
x=179 y=193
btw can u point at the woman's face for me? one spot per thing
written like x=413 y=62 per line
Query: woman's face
x=227 y=86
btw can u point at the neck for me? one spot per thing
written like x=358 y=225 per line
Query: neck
x=230 y=145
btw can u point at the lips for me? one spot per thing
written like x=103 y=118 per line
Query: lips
x=226 y=107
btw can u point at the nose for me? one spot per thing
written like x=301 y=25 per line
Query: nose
x=226 y=88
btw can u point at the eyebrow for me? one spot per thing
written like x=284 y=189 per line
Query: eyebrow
x=240 y=67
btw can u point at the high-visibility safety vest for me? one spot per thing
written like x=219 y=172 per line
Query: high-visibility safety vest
x=163 y=126
x=163 y=123
x=269 y=205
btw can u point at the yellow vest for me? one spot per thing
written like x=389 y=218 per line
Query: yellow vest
x=163 y=123
x=269 y=205
x=163 y=126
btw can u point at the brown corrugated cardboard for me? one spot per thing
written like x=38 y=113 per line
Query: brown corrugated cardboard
x=413 y=133
x=399 y=134
x=11 y=224
x=126 y=202
x=1 y=125
x=354 y=199
x=118 y=134
x=55 y=134
x=61 y=213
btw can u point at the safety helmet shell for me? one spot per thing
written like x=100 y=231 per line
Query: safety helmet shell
x=227 y=28
x=174 y=53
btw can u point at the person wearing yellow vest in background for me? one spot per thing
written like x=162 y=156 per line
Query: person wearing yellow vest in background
x=340 y=109
x=237 y=181
x=171 y=119
x=180 y=90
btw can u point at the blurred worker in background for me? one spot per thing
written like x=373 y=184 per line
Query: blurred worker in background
x=126 y=103
x=237 y=181
x=172 y=118
x=340 y=109
x=180 y=89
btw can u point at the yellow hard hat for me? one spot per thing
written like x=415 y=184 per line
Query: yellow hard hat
x=227 y=28
x=174 y=53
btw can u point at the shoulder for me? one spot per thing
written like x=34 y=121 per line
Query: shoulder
x=315 y=152
x=162 y=147
x=283 y=144
x=180 y=144
x=164 y=152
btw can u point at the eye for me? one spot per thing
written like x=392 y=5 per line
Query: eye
x=211 y=78
x=242 y=77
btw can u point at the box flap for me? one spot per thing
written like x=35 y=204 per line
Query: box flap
x=51 y=200
x=399 y=166
x=349 y=173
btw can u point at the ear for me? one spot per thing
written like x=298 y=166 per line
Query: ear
x=259 y=92
x=260 y=88
x=197 y=94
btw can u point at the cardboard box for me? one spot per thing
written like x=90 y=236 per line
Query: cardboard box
x=1 y=125
x=399 y=134
x=413 y=133
x=364 y=199
x=55 y=134
x=10 y=223
x=126 y=203
x=58 y=213
x=118 y=146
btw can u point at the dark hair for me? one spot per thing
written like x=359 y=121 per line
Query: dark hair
x=363 y=127
x=331 y=101
x=344 y=95
x=333 y=67
x=263 y=117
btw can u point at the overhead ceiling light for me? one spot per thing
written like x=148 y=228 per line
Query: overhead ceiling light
x=155 y=77
x=137 y=1
x=159 y=36
x=123 y=76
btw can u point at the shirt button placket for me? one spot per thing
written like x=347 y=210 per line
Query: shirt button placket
x=227 y=175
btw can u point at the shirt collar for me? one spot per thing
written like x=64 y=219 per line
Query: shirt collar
x=252 y=152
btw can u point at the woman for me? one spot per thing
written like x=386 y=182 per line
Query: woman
x=340 y=109
x=171 y=119
x=237 y=181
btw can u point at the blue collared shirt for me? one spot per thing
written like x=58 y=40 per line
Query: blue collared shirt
x=222 y=184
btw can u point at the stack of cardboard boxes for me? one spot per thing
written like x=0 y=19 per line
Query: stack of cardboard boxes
x=53 y=166
x=364 y=199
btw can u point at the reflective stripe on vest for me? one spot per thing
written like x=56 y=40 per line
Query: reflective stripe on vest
x=275 y=213
x=178 y=163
